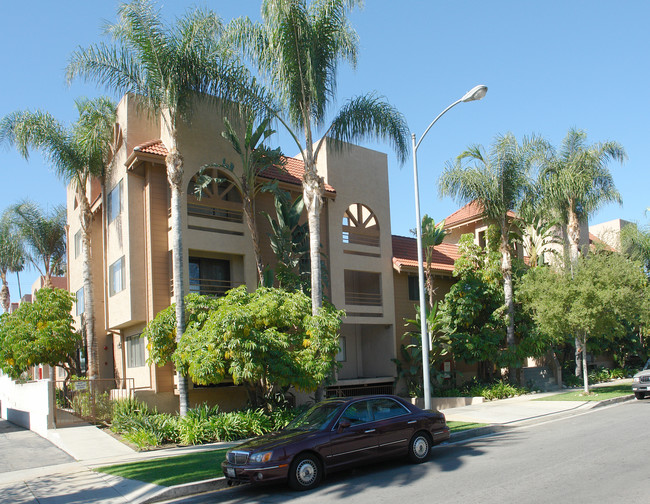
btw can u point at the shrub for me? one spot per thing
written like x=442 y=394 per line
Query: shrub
x=142 y=438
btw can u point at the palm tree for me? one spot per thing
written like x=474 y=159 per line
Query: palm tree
x=635 y=242
x=432 y=235
x=78 y=154
x=43 y=234
x=12 y=255
x=576 y=182
x=499 y=181
x=166 y=68
x=255 y=158
x=297 y=48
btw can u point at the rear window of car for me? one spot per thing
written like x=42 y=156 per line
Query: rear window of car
x=387 y=408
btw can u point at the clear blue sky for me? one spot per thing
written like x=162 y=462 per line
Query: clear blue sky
x=549 y=66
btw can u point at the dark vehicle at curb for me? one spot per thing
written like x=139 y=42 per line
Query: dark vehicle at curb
x=641 y=382
x=335 y=434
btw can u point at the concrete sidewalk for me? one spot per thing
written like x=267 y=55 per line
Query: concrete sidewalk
x=66 y=480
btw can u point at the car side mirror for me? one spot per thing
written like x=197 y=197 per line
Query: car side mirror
x=343 y=424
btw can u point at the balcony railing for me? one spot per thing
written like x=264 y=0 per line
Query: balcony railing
x=363 y=298
x=358 y=238
x=218 y=213
x=207 y=286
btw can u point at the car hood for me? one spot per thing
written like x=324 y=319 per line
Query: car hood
x=275 y=440
x=642 y=373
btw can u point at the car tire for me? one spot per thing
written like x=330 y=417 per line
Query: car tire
x=305 y=473
x=419 y=447
x=639 y=395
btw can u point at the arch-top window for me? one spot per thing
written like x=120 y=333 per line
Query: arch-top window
x=360 y=226
x=220 y=199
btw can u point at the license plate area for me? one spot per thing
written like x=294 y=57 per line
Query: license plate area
x=230 y=472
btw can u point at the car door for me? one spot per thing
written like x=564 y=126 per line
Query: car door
x=394 y=424
x=357 y=442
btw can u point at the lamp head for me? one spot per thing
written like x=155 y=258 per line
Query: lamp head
x=476 y=93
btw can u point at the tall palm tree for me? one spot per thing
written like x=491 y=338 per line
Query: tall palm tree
x=43 y=234
x=255 y=158
x=575 y=183
x=78 y=154
x=167 y=68
x=297 y=48
x=498 y=180
x=12 y=255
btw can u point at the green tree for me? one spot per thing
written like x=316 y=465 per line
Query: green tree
x=498 y=180
x=575 y=182
x=169 y=69
x=297 y=48
x=78 y=154
x=12 y=255
x=432 y=235
x=607 y=294
x=41 y=332
x=267 y=340
x=255 y=158
x=635 y=242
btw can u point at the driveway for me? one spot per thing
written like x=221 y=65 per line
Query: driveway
x=24 y=449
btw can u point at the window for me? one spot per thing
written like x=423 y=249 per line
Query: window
x=77 y=244
x=116 y=277
x=414 y=288
x=358 y=412
x=114 y=202
x=360 y=226
x=135 y=351
x=80 y=301
x=387 y=408
x=362 y=288
x=210 y=277
x=341 y=357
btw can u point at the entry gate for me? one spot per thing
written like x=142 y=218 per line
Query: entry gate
x=80 y=401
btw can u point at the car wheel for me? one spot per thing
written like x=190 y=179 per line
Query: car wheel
x=639 y=395
x=419 y=447
x=305 y=473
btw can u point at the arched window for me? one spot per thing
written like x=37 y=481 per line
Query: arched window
x=360 y=226
x=218 y=200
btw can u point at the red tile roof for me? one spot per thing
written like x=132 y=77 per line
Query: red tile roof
x=293 y=171
x=405 y=254
x=471 y=211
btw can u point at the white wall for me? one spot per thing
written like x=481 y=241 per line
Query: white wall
x=30 y=404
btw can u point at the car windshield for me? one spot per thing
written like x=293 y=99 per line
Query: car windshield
x=647 y=365
x=315 y=418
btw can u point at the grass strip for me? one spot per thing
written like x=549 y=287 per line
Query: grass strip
x=171 y=471
x=596 y=394
x=461 y=426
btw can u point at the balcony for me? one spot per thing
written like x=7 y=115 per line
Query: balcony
x=207 y=286
x=362 y=288
x=223 y=213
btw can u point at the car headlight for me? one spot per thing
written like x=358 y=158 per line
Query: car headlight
x=637 y=379
x=261 y=456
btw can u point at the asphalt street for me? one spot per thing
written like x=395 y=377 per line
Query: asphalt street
x=599 y=456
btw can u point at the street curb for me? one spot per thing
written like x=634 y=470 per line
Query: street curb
x=185 y=490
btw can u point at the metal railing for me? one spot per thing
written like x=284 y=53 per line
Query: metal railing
x=356 y=238
x=218 y=213
x=363 y=298
x=87 y=400
x=207 y=286
x=359 y=390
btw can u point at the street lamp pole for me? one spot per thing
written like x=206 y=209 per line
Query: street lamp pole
x=476 y=93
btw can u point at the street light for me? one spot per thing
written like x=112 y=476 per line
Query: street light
x=476 y=93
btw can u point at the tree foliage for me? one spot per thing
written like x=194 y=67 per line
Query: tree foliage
x=267 y=340
x=41 y=332
x=607 y=296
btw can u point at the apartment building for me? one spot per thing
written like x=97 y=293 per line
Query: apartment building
x=131 y=250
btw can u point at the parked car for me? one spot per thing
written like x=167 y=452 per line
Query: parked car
x=335 y=434
x=641 y=382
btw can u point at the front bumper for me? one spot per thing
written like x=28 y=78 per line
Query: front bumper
x=641 y=387
x=255 y=473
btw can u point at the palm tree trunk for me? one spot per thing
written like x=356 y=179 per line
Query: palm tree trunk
x=585 y=371
x=249 y=213
x=573 y=235
x=5 y=299
x=174 y=163
x=312 y=194
x=87 y=275
x=506 y=269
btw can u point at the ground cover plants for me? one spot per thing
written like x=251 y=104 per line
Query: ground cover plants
x=145 y=428
x=596 y=394
x=489 y=391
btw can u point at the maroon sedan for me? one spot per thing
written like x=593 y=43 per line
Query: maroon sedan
x=335 y=434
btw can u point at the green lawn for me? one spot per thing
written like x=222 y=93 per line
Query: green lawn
x=461 y=426
x=199 y=466
x=596 y=394
x=171 y=471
